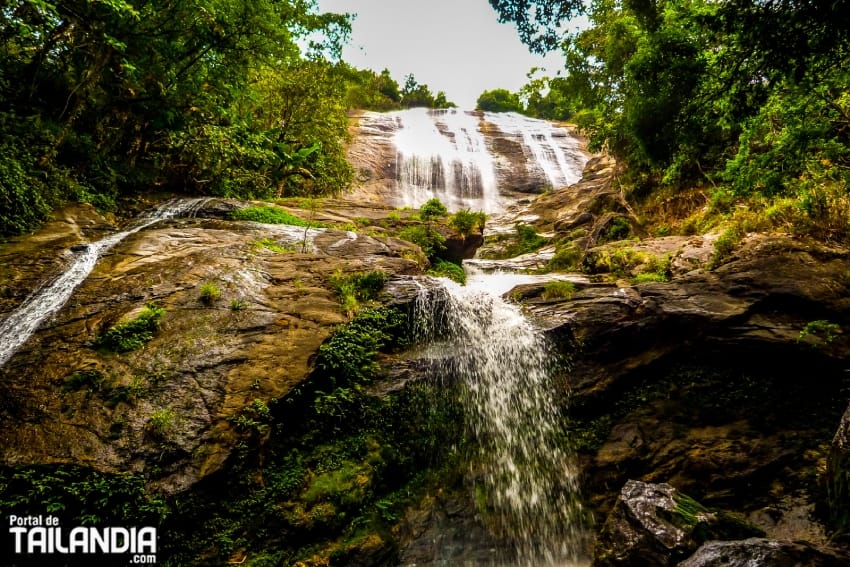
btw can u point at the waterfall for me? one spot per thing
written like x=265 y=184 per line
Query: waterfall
x=442 y=153
x=47 y=300
x=553 y=150
x=526 y=482
x=469 y=159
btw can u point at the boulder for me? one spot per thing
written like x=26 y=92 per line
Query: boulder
x=656 y=525
x=763 y=553
x=838 y=476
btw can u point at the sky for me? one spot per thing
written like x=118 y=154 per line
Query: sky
x=455 y=46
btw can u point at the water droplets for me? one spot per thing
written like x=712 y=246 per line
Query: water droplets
x=529 y=482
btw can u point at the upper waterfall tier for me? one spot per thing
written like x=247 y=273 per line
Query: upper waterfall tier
x=467 y=159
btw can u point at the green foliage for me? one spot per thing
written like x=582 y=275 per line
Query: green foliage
x=238 y=305
x=567 y=257
x=23 y=206
x=102 y=98
x=725 y=245
x=467 y=222
x=414 y=94
x=558 y=290
x=133 y=334
x=650 y=277
x=619 y=229
x=696 y=93
x=349 y=355
x=432 y=209
x=527 y=240
x=273 y=245
x=821 y=330
x=427 y=238
x=444 y=268
x=209 y=293
x=357 y=287
x=269 y=214
x=161 y=423
x=499 y=100
x=255 y=417
x=80 y=496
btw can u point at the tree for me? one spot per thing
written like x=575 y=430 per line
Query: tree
x=499 y=100
x=670 y=86
x=117 y=89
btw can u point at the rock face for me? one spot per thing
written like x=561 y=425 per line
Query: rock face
x=519 y=151
x=708 y=382
x=172 y=402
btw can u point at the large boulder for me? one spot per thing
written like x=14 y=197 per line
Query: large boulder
x=656 y=525
x=762 y=552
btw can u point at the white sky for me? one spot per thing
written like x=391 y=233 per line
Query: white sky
x=456 y=46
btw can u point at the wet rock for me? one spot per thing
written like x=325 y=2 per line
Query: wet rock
x=707 y=381
x=763 y=552
x=168 y=408
x=460 y=247
x=838 y=476
x=654 y=525
x=446 y=530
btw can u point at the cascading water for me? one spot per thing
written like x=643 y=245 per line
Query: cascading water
x=44 y=302
x=526 y=481
x=468 y=159
x=551 y=149
x=442 y=153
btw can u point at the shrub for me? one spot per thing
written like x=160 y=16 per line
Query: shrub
x=272 y=245
x=357 y=287
x=446 y=269
x=618 y=229
x=821 y=329
x=429 y=240
x=467 y=222
x=725 y=245
x=133 y=334
x=558 y=290
x=238 y=305
x=210 y=293
x=646 y=277
x=527 y=240
x=432 y=209
x=161 y=422
x=349 y=355
x=567 y=257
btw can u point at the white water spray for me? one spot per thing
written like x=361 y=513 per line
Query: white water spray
x=44 y=302
x=551 y=149
x=526 y=481
x=442 y=154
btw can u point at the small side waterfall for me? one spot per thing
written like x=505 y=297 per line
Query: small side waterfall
x=44 y=302
x=526 y=482
x=551 y=149
x=442 y=153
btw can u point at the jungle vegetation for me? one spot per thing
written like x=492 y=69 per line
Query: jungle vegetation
x=748 y=99
x=108 y=98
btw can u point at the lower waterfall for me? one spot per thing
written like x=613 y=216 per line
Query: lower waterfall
x=525 y=480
